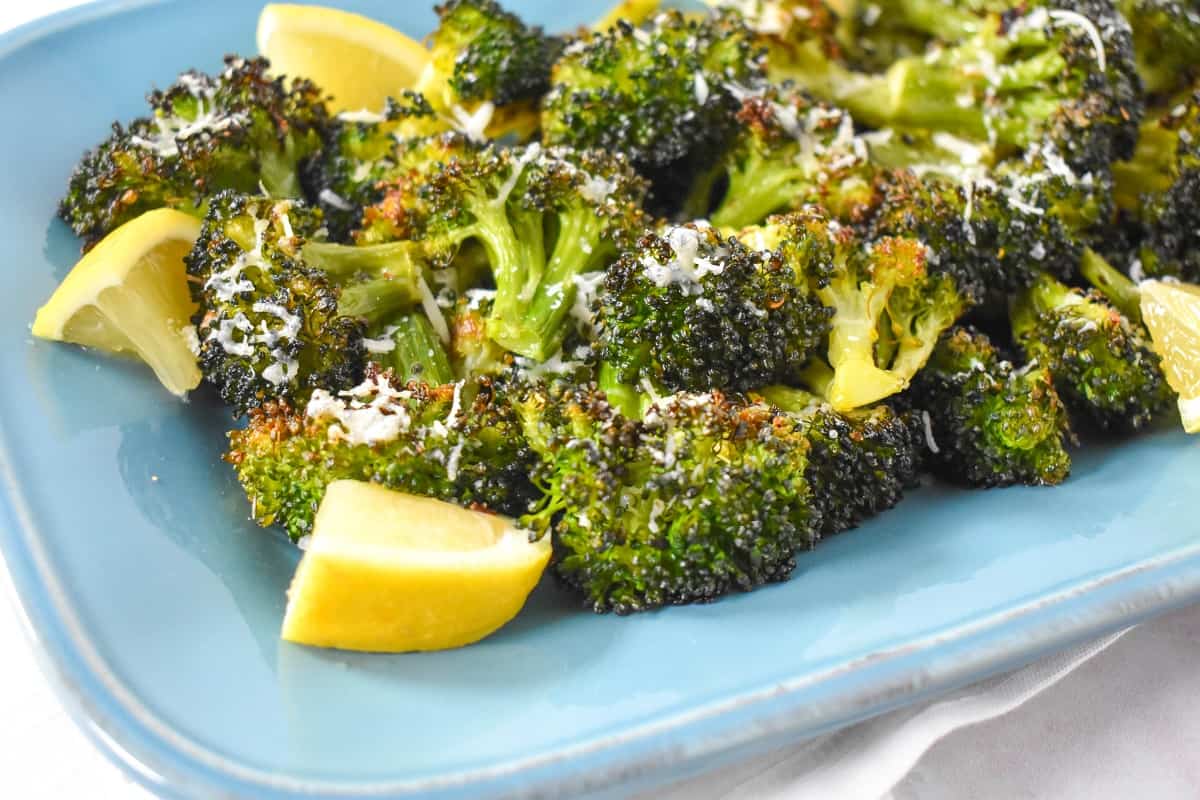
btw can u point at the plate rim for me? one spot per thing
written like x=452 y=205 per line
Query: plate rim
x=148 y=750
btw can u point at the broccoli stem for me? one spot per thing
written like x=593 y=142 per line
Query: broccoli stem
x=755 y=191
x=1045 y=295
x=621 y=396
x=857 y=380
x=418 y=353
x=375 y=281
x=1120 y=290
x=278 y=172
x=578 y=248
x=516 y=250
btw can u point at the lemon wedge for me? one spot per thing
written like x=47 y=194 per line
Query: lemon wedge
x=392 y=572
x=129 y=294
x=1172 y=313
x=359 y=61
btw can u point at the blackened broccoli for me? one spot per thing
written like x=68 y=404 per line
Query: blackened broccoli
x=656 y=93
x=359 y=152
x=860 y=462
x=1101 y=362
x=459 y=442
x=990 y=423
x=281 y=315
x=241 y=129
x=693 y=310
x=703 y=497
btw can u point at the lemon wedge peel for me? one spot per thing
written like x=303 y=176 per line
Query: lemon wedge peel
x=391 y=572
x=129 y=295
x=359 y=61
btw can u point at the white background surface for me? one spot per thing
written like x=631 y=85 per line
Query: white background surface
x=1124 y=724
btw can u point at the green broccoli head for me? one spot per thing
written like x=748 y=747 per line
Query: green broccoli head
x=486 y=73
x=656 y=94
x=282 y=313
x=542 y=217
x=991 y=424
x=1005 y=73
x=788 y=151
x=241 y=129
x=891 y=299
x=692 y=310
x=360 y=152
x=458 y=442
x=1166 y=41
x=860 y=463
x=1159 y=191
x=1101 y=362
x=703 y=497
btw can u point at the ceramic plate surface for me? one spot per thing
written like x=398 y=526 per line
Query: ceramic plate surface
x=157 y=606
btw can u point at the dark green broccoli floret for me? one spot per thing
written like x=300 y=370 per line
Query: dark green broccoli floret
x=1101 y=362
x=1166 y=41
x=241 y=129
x=787 y=151
x=541 y=216
x=1007 y=73
x=360 y=151
x=456 y=442
x=859 y=463
x=1159 y=192
x=990 y=424
x=693 y=310
x=702 y=497
x=280 y=315
x=487 y=69
x=655 y=94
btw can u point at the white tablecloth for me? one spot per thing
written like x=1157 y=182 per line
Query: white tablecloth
x=1123 y=722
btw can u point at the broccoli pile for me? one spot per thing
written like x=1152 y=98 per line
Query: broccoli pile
x=686 y=292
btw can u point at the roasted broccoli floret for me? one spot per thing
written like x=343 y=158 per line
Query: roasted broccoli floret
x=990 y=423
x=1166 y=41
x=360 y=151
x=487 y=71
x=859 y=463
x=693 y=310
x=241 y=129
x=1159 y=192
x=280 y=313
x=459 y=442
x=1101 y=362
x=702 y=497
x=788 y=151
x=1005 y=73
x=656 y=94
x=542 y=217
x=890 y=302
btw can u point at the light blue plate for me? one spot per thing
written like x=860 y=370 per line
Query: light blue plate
x=158 y=606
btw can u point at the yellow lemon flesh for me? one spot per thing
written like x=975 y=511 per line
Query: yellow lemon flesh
x=129 y=294
x=1172 y=313
x=391 y=572
x=359 y=61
